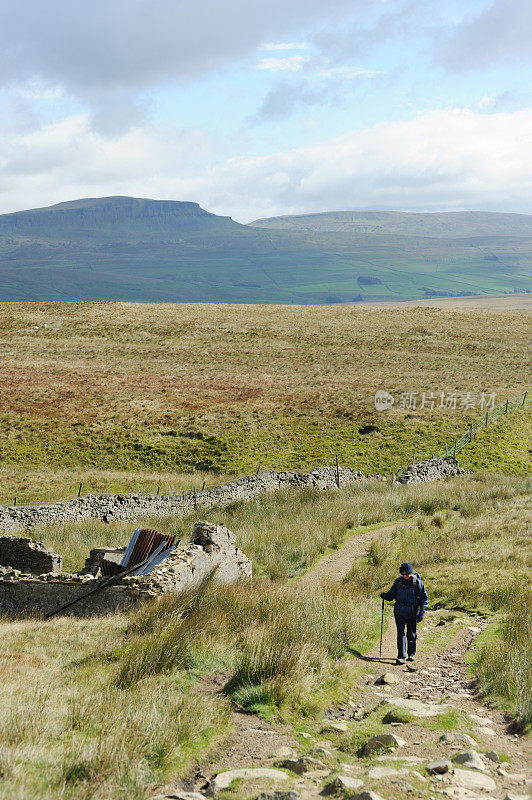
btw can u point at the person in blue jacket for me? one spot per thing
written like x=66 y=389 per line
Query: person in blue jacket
x=411 y=601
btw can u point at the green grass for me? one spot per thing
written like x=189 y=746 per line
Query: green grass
x=502 y=660
x=123 y=392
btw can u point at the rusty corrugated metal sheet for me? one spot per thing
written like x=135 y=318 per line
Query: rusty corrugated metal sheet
x=148 y=541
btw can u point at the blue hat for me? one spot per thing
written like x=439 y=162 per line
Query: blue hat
x=406 y=567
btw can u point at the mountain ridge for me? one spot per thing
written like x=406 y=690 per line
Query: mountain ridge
x=124 y=248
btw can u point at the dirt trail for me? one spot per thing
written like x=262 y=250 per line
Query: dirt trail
x=438 y=683
x=337 y=564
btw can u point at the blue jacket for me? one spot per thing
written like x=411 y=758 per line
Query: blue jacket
x=411 y=599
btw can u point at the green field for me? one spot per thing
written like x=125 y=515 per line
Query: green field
x=143 y=250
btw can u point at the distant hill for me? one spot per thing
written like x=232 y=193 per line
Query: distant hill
x=449 y=224
x=124 y=248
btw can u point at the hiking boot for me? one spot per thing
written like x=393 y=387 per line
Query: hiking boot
x=399 y=661
x=410 y=658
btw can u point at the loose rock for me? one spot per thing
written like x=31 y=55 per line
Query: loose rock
x=343 y=783
x=367 y=795
x=386 y=678
x=334 y=727
x=384 y=741
x=470 y=779
x=457 y=739
x=438 y=767
x=471 y=759
x=224 y=779
x=300 y=765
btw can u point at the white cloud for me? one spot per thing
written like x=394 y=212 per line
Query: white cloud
x=284 y=46
x=288 y=64
x=449 y=159
x=348 y=72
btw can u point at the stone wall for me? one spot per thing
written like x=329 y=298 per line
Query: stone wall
x=434 y=469
x=212 y=549
x=109 y=508
x=28 y=556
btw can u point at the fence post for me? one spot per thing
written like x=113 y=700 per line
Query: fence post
x=506 y=408
x=487 y=412
x=524 y=397
x=15 y=501
x=337 y=473
x=203 y=487
x=158 y=489
x=79 y=490
x=413 y=458
x=454 y=454
x=195 y=499
x=258 y=468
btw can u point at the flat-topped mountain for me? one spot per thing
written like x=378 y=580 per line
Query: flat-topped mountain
x=449 y=224
x=127 y=248
x=114 y=218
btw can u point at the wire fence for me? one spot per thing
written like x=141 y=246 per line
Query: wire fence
x=479 y=424
x=482 y=422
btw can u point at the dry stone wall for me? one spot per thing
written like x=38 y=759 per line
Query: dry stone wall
x=432 y=470
x=109 y=508
x=28 y=556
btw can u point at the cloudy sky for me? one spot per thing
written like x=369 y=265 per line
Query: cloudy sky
x=261 y=107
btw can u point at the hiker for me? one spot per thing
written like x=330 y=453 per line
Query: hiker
x=411 y=602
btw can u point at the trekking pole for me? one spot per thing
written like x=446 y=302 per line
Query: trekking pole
x=382 y=623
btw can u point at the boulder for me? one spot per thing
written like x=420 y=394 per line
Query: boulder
x=470 y=759
x=224 y=779
x=473 y=780
x=384 y=741
x=491 y=755
x=343 y=783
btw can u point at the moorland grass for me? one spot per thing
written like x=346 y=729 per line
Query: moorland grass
x=160 y=387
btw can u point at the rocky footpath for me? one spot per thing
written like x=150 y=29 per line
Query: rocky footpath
x=415 y=731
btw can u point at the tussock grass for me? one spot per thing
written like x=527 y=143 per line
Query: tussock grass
x=69 y=731
x=279 y=639
x=504 y=663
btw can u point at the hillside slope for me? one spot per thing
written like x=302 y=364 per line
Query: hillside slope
x=452 y=224
x=123 y=248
